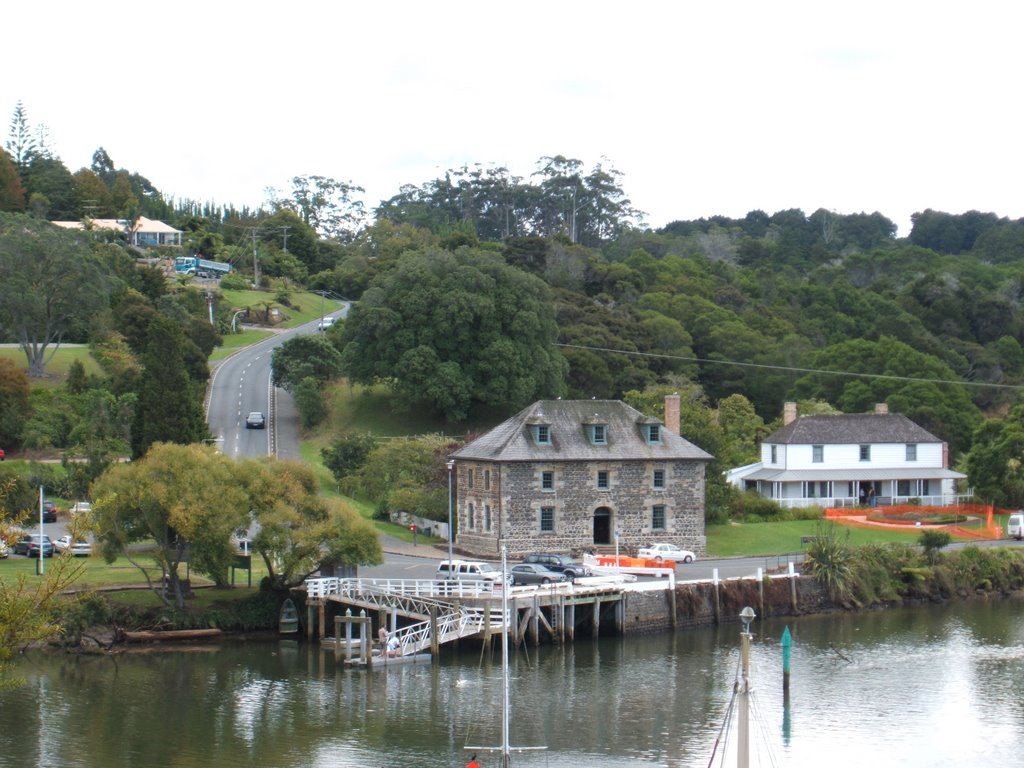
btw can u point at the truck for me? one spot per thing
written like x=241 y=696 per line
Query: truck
x=195 y=265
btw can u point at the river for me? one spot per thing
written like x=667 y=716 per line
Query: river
x=926 y=686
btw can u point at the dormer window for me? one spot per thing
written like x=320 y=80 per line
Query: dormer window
x=653 y=433
x=599 y=434
x=541 y=433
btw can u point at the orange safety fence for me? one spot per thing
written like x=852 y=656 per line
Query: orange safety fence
x=858 y=517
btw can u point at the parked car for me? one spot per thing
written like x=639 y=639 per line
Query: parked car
x=324 y=324
x=255 y=420
x=560 y=563
x=29 y=545
x=467 y=570
x=532 y=573
x=4 y=550
x=2 y=454
x=81 y=508
x=76 y=547
x=662 y=551
x=49 y=512
x=1015 y=525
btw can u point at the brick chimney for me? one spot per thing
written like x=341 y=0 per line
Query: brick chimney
x=788 y=413
x=672 y=413
x=881 y=409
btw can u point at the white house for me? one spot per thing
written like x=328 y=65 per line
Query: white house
x=849 y=460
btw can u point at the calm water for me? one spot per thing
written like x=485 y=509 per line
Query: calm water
x=936 y=686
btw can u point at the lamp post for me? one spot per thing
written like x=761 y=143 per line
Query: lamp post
x=451 y=529
x=743 y=747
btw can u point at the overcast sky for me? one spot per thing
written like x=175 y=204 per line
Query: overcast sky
x=706 y=108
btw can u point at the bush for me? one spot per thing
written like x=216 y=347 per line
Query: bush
x=933 y=541
x=830 y=559
x=752 y=507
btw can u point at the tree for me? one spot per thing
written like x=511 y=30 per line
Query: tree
x=170 y=405
x=50 y=283
x=405 y=474
x=186 y=498
x=347 y=454
x=309 y=401
x=305 y=357
x=21 y=144
x=453 y=330
x=12 y=191
x=14 y=403
x=326 y=205
x=299 y=530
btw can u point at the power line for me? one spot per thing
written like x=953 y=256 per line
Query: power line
x=792 y=369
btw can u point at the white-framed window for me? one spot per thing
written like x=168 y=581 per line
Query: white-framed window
x=602 y=479
x=487 y=517
x=542 y=434
x=865 y=453
x=599 y=434
x=658 y=517
x=775 y=454
x=654 y=433
x=658 y=479
x=902 y=487
x=911 y=451
x=547 y=519
x=818 y=454
x=547 y=481
x=471 y=515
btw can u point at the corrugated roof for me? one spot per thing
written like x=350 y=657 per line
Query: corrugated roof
x=823 y=475
x=512 y=440
x=851 y=428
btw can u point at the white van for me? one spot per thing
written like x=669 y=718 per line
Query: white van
x=467 y=570
x=1015 y=525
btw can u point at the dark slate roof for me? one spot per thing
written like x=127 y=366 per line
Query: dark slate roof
x=512 y=439
x=851 y=428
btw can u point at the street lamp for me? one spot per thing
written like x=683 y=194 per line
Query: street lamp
x=451 y=530
x=234 y=317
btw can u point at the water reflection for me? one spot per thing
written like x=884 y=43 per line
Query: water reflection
x=932 y=686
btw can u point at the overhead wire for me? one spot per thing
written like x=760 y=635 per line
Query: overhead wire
x=793 y=369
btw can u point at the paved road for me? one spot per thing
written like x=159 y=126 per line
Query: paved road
x=241 y=384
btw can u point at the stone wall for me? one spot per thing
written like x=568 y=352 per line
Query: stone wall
x=514 y=497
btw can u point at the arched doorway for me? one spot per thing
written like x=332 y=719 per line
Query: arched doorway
x=602 y=525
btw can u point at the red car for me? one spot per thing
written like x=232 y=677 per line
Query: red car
x=2 y=454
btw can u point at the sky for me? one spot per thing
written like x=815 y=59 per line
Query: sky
x=710 y=108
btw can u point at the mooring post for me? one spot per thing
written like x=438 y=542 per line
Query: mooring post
x=760 y=590
x=321 y=618
x=310 y=620
x=435 y=641
x=792 y=584
x=348 y=634
x=787 y=642
x=718 y=608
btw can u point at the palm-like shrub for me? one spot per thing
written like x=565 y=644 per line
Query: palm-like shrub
x=830 y=558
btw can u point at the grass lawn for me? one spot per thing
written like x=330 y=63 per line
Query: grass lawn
x=57 y=369
x=305 y=306
x=739 y=539
x=235 y=341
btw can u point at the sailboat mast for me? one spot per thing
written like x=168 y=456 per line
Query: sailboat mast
x=505 y=749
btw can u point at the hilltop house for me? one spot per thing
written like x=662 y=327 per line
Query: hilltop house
x=566 y=475
x=145 y=232
x=849 y=460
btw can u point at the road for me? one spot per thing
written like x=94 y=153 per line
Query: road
x=241 y=384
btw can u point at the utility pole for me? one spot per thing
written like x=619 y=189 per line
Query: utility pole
x=284 y=229
x=255 y=262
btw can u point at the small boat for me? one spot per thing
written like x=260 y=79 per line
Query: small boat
x=288 y=620
x=150 y=636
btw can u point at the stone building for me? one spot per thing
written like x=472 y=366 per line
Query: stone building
x=565 y=475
